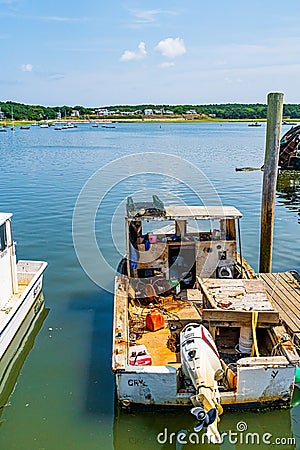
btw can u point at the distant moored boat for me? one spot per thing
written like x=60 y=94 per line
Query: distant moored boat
x=255 y=124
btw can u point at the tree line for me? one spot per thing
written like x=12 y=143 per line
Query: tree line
x=219 y=111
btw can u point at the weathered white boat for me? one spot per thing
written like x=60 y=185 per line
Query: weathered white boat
x=188 y=273
x=18 y=349
x=20 y=285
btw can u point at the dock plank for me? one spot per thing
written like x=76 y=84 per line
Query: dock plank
x=282 y=303
x=284 y=292
x=283 y=299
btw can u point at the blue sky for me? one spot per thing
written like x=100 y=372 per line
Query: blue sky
x=97 y=53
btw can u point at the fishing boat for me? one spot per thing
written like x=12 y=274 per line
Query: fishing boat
x=193 y=324
x=21 y=284
x=254 y=124
x=289 y=155
x=288 y=123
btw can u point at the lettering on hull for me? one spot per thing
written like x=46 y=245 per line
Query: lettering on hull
x=135 y=382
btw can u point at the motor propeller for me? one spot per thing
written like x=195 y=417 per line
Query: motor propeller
x=205 y=418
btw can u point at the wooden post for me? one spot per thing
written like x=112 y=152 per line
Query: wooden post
x=274 y=121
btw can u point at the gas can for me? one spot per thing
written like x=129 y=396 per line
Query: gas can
x=155 y=320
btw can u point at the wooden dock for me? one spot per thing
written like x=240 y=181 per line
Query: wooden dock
x=284 y=291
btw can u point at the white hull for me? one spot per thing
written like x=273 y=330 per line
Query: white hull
x=31 y=273
x=265 y=384
x=14 y=356
x=259 y=381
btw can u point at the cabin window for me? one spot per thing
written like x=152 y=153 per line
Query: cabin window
x=162 y=232
x=3 y=237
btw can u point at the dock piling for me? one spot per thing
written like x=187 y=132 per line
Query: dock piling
x=274 y=121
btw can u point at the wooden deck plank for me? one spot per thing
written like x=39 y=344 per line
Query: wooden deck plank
x=287 y=347
x=236 y=294
x=283 y=304
x=287 y=284
x=294 y=288
x=284 y=291
x=283 y=300
x=233 y=318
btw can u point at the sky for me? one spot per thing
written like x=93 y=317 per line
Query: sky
x=97 y=53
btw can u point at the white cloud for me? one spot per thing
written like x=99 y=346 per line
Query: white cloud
x=130 y=55
x=56 y=76
x=167 y=64
x=171 y=48
x=149 y=16
x=63 y=19
x=146 y=16
x=27 y=67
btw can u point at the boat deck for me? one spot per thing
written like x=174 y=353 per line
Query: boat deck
x=284 y=291
x=156 y=344
x=180 y=312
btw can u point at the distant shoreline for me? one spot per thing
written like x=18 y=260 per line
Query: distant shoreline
x=9 y=123
x=145 y=113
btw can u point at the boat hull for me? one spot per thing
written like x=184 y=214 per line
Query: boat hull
x=14 y=319
x=14 y=356
x=259 y=383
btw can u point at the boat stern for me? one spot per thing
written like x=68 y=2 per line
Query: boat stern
x=264 y=381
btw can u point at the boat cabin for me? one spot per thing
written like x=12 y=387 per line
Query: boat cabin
x=8 y=264
x=182 y=242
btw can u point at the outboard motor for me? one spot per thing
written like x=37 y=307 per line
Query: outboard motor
x=201 y=363
x=205 y=418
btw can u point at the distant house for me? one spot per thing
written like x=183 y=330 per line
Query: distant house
x=58 y=116
x=138 y=111
x=102 y=112
x=75 y=113
x=212 y=115
x=169 y=112
x=2 y=115
x=191 y=111
x=158 y=111
x=148 y=112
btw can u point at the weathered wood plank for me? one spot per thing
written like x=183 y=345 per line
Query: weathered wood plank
x=286 y=346
x=233 y=294
x=283 y=291
x=238 y=317
x=289 y=284
x=277 y=286
x=194 y=295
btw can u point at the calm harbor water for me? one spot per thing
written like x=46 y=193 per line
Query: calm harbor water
x=64 y=395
